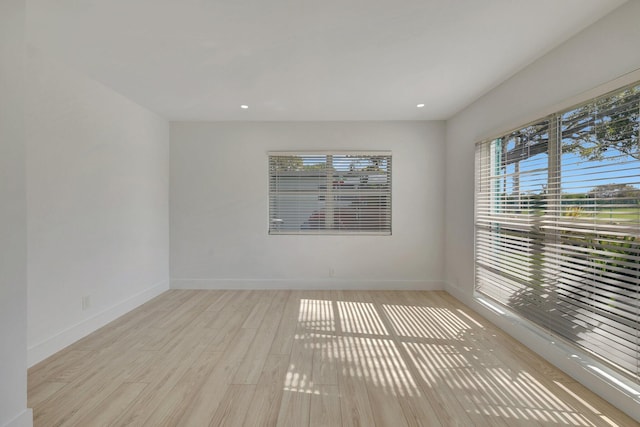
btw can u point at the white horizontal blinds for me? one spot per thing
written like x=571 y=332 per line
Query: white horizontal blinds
x=511 y=177
x=558 y=225
x=296 y=191
x=330 y=193
x=598 y=228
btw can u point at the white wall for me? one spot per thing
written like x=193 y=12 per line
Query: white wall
x=97 y=196
x=13 y=253
x=219 y=208
x=605 y=51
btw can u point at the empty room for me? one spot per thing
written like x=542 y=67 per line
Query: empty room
x=320 y=213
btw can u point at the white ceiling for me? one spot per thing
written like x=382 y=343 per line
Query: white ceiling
x=305 y=59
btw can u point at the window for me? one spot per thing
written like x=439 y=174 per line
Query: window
x=557 y=225
x=330 y=193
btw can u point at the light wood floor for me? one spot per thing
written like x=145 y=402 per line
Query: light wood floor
x=293 y=358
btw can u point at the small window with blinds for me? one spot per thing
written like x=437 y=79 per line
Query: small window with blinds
x=557 y=225
x=330 y=193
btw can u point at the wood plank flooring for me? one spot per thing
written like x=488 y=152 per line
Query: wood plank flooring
x=306 y=358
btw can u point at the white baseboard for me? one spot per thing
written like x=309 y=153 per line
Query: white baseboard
x=46 y=348
x=574 y=363
x=25 y=419
x=305 y=284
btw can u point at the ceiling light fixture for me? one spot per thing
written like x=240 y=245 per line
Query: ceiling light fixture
x=244 y=107
x=420 y=105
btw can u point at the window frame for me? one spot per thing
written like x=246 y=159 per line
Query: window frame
x=553 y=208
x=329 y=195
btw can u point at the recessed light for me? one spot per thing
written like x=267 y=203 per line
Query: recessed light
x=420 y=105
x=244 y=107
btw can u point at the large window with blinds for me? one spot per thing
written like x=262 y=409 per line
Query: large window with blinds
x=557 y=225
x=330 y=193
